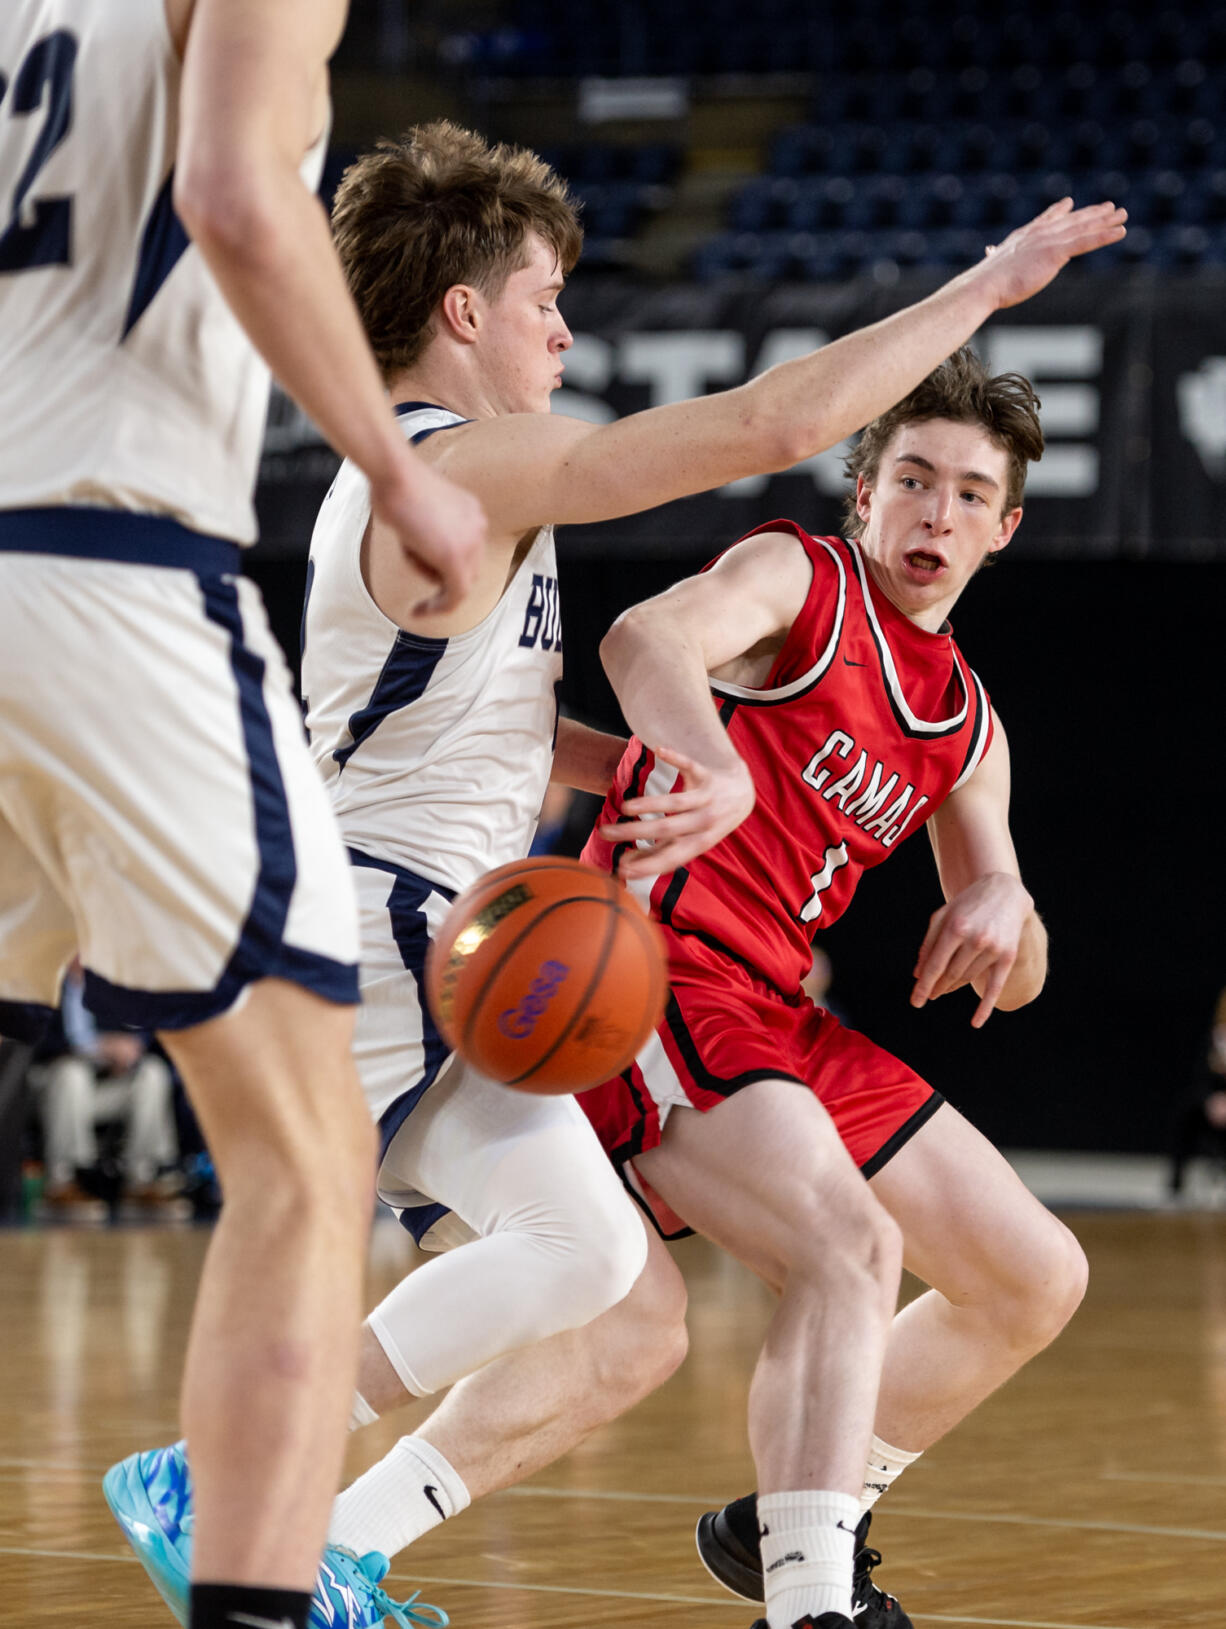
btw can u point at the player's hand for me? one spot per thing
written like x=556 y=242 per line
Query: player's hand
x=440 y=527
x=1029 y=258
x=677 y=826
x=974 y=940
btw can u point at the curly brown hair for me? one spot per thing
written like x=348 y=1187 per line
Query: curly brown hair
x=437 y=207
x=960 y=389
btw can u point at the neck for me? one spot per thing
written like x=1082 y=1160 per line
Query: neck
x=445 y=383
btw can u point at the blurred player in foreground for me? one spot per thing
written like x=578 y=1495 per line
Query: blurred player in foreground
x=840 y=695
x=158 y=808
x=435 y=736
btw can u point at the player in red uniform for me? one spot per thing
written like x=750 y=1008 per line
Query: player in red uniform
x=846 y=719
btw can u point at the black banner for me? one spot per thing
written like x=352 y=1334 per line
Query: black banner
x=1131 y=373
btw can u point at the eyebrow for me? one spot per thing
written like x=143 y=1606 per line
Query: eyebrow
x=975 y=475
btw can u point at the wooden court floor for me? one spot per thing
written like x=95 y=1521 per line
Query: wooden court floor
x=1088 y=1494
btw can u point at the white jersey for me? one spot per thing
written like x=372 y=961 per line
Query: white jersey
x=437 y=752
x=125 y=381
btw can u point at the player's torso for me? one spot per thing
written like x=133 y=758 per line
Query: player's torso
x=437 y=752
x=125 y=381
x=865 y=726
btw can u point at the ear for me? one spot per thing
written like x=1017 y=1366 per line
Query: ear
x=864 y=497
x=1008 y=525
x=460 y=314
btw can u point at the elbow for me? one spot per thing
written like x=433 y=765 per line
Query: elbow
x=224 y=206
x=624 y=639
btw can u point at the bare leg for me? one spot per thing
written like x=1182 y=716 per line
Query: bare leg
x=765 y=1176
x=1006 y=1276
x=270 y=1364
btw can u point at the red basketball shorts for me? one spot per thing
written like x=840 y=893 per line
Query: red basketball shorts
x=723 y=1029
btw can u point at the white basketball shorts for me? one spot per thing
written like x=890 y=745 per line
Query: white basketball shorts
x=159 y=810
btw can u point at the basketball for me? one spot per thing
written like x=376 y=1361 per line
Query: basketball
x=546 y=975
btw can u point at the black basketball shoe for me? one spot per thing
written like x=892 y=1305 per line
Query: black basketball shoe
x=828 y=1620
x=728 y=1548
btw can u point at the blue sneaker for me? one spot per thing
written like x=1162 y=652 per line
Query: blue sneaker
x=150 y=1496
x=348 y=1595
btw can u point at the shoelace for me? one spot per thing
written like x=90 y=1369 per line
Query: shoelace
x=404 y=1613
x=407 y=1613
x=865 y=1592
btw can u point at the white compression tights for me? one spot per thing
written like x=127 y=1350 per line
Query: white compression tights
x=557 y=1240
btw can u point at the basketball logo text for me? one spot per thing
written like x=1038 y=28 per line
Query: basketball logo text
x=519 y=1022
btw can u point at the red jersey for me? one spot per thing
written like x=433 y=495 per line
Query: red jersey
x=865 y=725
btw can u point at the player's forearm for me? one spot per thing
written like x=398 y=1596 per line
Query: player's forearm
x=659 y=676
x=584 y=758
x=266 y=241
x=784 y=415
x=1029 y=972
x=828 y=395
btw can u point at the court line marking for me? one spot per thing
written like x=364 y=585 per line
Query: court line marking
x=418 y=1578
x=1162 y=1476
x=1214 y=1535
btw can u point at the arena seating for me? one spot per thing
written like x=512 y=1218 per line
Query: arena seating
x=927 y=135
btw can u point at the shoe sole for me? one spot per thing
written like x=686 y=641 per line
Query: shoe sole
x=125 y=1493
x=734 y=1575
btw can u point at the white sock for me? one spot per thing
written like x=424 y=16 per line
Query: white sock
x=885 y=1465
x=410 y=1490
x=361 y=1413
x=808 y=1544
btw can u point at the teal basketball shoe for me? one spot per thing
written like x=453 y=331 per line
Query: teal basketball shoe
x=150 y=1496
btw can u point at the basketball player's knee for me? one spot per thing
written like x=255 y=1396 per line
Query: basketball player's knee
x=642 y=1341
x=852 y=1249
x=1059 y=1274
x=601 y=1265
x=1046 y=1291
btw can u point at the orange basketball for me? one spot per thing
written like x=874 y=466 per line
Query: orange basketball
x=547 y=975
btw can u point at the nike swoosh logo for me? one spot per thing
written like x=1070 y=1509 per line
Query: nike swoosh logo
x=431 y=1493
x=847 y=662
x=259 y=1623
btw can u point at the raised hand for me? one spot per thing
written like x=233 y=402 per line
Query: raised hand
x=974 y=940
x=441 y=528
x=1029 y=258
x=677 y=826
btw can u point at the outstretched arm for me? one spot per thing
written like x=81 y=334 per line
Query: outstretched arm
x=253 y=100
x=658 y=656
x=531 y=468
x=988 y=934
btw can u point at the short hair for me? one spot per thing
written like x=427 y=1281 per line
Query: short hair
x=436 y=207
x=961 y=389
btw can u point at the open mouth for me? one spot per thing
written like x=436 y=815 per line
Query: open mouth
x=924 y=563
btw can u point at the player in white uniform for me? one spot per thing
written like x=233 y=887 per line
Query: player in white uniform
x=158 y=809
x=434 y=732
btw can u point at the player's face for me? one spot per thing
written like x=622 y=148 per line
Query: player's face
x=525 y=335
x=933 y=514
